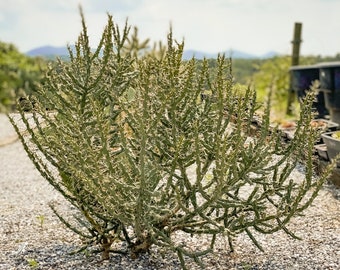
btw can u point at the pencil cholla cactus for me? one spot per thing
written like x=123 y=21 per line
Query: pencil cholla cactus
x=145 y=146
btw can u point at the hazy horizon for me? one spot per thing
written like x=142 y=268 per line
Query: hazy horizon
x=251 y=26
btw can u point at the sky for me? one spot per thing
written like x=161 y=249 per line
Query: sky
x=252 y=26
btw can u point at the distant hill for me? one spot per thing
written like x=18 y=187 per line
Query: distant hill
x=48 y=50
x=188 y=54
x=52 y=52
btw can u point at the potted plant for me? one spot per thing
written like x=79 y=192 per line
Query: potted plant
x=288 y=127
x=332 y=141
x=324 y=124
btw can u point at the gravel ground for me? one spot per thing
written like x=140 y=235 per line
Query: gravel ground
x=31 y=237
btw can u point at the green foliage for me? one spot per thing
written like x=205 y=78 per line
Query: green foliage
x=41 y=220
x=129 y=141
x=18 y=74
x=273 y=76
x=244 y=69
x=32 y=263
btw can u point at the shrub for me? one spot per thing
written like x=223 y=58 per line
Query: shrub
x=136 y=144
x=18 y=74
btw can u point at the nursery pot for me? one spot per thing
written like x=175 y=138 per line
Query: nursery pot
x=333 y=144
x=302 y=77
x=330 y=85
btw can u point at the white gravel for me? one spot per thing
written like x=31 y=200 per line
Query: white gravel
x=31 y=237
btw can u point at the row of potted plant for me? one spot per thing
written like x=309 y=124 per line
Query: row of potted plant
x=329 y=145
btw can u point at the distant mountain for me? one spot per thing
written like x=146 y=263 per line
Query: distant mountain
x=52 y=52
x=269 y=55
x=230 y=53
x=48 y=51
x=188 y=54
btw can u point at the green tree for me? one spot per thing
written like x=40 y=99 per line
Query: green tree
x=18 y=73
x=244 y=69
x=273 y=76
x=130 y=142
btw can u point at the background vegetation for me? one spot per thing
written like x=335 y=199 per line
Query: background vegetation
x=20 y=73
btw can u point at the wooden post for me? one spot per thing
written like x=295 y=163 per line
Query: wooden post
x=295 y=61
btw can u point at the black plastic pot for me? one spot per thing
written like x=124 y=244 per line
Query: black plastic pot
x=330 y=82
x=330 y=85
x=302 y=80
x=333 y=144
